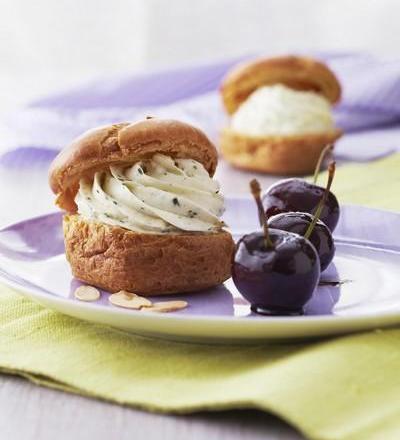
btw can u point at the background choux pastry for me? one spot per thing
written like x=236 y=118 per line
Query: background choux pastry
x=280 y=112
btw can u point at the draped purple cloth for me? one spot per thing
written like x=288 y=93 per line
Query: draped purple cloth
x=369 y=112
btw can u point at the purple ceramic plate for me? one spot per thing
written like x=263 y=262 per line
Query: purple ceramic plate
x=32 y=260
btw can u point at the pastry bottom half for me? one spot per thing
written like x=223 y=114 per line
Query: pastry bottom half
x=114 y=258
x=281 y=155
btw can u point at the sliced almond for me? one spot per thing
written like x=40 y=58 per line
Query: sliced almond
x=167 y=306
x=129 y=300
x=87 y=293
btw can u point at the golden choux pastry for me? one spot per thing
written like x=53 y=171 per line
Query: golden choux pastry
x=280 y=114
x=142 y=208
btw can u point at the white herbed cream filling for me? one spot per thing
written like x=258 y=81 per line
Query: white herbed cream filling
x=159 y=195
x=278 y=110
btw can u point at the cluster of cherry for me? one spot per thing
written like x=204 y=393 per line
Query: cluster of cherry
x=277 y=270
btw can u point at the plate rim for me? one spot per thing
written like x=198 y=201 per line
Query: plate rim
x=230 y=321
x=37 y=293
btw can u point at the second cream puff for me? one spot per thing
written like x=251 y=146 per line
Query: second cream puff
x=281 y=114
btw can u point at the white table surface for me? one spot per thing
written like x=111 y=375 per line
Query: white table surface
x=30 y=412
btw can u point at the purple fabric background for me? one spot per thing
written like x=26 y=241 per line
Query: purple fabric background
x=142 y=90
x=371 y=103
x=371 y=89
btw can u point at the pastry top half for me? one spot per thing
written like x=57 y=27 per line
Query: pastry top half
x=153 y=176
x=297 y=73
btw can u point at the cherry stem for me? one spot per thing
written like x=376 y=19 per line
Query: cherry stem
x=256 y=192
x=324 y=152
x=331 y=175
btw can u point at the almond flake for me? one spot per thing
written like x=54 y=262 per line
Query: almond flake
x=129 y=300
x=167 y=306
x=87 y=293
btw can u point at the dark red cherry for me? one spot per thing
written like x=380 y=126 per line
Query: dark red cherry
x=276 y=280
x=320 y=237
x=291 y=195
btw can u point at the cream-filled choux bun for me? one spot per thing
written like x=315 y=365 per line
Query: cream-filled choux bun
x=280 y=114
x=143 y=212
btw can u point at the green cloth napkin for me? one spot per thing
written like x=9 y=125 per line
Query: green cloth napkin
x=342 y=388
x=375 y=184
